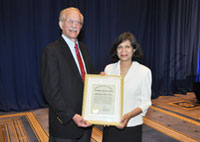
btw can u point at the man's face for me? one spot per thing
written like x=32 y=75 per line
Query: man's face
x=71 y=26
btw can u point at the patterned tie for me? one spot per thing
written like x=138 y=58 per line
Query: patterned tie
x=80 y=62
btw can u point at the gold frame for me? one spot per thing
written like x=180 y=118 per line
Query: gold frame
x=94 y=109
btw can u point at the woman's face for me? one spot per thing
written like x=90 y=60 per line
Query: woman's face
x=125 y=51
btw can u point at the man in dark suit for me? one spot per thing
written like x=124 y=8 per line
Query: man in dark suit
x=62 y=73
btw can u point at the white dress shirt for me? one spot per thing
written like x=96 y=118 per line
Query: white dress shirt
x=137 y=89
x=71 y=45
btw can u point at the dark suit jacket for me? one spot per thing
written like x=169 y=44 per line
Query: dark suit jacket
x=63 y=87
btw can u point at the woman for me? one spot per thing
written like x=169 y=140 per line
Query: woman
x=127 y=53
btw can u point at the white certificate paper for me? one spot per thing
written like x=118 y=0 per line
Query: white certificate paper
x=103 y=99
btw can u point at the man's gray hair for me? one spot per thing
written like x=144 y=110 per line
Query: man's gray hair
x=63 y=13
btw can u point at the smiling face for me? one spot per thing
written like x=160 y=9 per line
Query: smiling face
x=71 y=24
x=125 y=51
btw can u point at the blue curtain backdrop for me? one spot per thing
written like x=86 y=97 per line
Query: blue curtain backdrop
x=167 y=30
x=198 y=66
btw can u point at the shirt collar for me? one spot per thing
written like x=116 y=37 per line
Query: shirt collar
x=69 y=41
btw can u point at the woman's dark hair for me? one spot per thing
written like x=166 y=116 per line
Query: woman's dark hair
x=137 y=55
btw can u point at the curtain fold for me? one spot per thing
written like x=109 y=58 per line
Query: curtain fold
x=198 y=65
x=168 y=32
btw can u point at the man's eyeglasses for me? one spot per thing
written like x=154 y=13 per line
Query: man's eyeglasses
x=70 y=22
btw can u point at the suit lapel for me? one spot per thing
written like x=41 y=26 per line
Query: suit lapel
x=69 y=57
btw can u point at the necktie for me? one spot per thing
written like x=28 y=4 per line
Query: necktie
x=80 y=61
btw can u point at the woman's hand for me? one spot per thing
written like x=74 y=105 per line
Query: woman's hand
x=124 y=121
x=126 y=117
x=102 y=73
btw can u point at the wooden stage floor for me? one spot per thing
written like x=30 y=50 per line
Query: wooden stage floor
x=175 y=116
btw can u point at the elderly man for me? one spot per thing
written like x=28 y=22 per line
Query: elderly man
x=63 y=67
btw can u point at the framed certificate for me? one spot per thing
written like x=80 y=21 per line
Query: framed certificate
x=103 y=99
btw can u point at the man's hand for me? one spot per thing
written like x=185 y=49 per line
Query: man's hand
x=80 y=122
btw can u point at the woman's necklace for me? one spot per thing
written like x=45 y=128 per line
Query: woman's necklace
x=123 y=73
x=124 y=69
